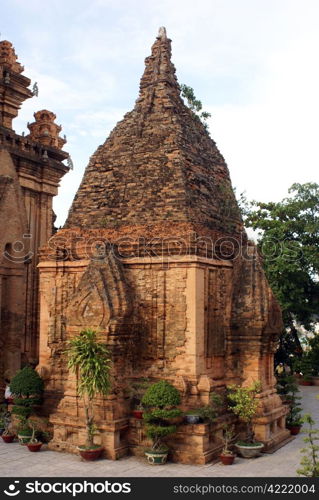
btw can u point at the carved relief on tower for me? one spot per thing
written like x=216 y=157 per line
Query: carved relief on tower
x=45 y=131
x=101 y=299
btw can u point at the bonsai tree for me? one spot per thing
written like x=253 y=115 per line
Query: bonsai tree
x=227 y=437
x=244 y=404
x=288 y=390
x=90 y=361
x=209 y=412
x=310 y=460
x=160 y=399
x=27 y=388
x=6 y=420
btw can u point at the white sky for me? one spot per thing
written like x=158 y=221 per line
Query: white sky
x=252 y=63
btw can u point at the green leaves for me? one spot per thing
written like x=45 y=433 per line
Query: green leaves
x=161 y=394
x=27 y=382
x=91 y=362
x=160 y=398
x=194 y=104
x=289 y=240
x=310 y=460
x=244 y=404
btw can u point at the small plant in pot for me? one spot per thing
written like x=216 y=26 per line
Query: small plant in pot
x=243 y=403
x=33 y=444
x=207 y=413
x=160 y=400
x=227 y=456
x=8 y=435
x=90 y=360
x=3 y=411
x=293 y=419
x=136 y=391
x=27 y=388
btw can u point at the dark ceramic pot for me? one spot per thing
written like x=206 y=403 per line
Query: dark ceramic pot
x=193 y=419
x=34 y=446
x=156 y=457
x=227 y=459
x=92 y=454
x=8 y=438
x=294 y=429
x=137 y=414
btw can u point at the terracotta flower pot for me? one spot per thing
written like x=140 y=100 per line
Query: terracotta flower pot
x=294 y=429
x=305 y=382
x=34 y=446
x=227 y=459
x=137 y=414
x=90 y=454
x=8 y=438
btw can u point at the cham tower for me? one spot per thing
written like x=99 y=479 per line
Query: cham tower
x=30 y=172
x=154 y=256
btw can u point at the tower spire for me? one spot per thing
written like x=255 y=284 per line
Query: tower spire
x=159 y=78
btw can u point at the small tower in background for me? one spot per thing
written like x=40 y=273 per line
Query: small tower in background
x=45 y=131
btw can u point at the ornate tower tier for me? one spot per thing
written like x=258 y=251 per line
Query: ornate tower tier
x=13 y=85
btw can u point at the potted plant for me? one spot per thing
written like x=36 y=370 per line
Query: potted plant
x=244 y=404
x=206 y=413
x=33 y=444
x=192 y=416
x=90 y=360
x=7 y=435
x=3 y=410
x=293 y=419
x=27 y=388
x=136 y=391
x=227 y=456
x=161 y=400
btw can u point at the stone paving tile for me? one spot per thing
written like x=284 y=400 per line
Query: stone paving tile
x=16 y=460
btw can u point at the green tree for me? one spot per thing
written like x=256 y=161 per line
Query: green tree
x=310 y=460
x=194 y=104
x=288 y=238
x=90 y=361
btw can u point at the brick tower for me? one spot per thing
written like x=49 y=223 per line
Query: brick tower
x=30 y=171
x=154 y=256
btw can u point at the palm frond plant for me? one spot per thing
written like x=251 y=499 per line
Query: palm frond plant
x=90 y=360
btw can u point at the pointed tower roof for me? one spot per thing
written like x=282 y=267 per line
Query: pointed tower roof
x=158 y=165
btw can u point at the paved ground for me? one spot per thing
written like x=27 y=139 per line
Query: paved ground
x=17 y=461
